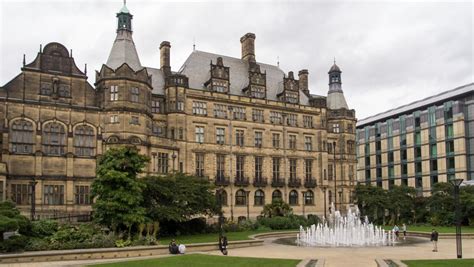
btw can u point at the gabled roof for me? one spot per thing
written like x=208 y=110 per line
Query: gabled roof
x=197 y=69
x=124 y=51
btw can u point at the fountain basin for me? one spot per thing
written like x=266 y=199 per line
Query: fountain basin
x=410 y=240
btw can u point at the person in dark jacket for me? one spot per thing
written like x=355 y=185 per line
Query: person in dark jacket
x=173 y=247
x=434 y=240
x=223 y=245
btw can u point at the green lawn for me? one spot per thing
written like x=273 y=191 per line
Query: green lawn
x=440 y=229
x=206 y=260
x=440 y=263
x=214 y=237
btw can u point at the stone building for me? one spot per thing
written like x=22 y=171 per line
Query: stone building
x=419 y=144
x=248 y=127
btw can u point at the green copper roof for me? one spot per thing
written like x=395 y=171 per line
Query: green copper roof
x=124 y=9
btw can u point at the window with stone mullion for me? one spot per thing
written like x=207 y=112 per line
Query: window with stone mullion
x=21 y=136
x=54 y=139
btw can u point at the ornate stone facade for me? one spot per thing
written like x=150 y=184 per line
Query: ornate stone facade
x=255 y=132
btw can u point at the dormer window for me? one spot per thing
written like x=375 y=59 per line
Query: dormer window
x=219 y=86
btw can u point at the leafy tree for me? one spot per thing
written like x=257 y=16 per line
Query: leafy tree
x=372 y=202
x=277 y=208
x=441 y=204
x=400 y=200
x=117 y=190
x=11 y=220
x=178 y=197
x=466 y=200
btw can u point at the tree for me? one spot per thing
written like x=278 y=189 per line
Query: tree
x=441 y=204
x=178 y=197
x=11 y=220
x=466 y=199
x=400 y=200
x=117 y=190
x=277 y=208
x=372 y=202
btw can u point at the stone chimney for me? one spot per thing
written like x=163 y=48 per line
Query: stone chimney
x=248 y=47
x=303 y=83
x=165 y=66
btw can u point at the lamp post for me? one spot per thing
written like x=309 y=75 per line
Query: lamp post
x=335 y=185
x=221 y=217
x=456 y=183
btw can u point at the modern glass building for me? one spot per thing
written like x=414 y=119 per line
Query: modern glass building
x=419 y=144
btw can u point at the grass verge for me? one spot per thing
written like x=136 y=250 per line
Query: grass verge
x=440 y=263
x=198 y=260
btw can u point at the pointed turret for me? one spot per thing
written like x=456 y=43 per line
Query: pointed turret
x=123 y=49
x=335 y=98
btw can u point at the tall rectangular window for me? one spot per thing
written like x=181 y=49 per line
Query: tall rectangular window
x=21 y=194
x=199 y=108
x=433 y=150
x=134 y=94
x=220 y=111
x=258 y=167
x=276 y=140
x=162 y=163
x=450 y=147
x=307 y=121
x=239 y=137
x=114 y=93
x=450 y=163
x=292 y=141
x=418 y=138
x=155 y=106
x=239 y=167
x=53 y=194
x=292 y=168
x=220 y=166
x=449 y=131
x=276 y=117
x=199 y=134
x=239 y=113
x=308 y=143
x=308 y=168
x=257 y=115
x=292 y=119
x=258 y=139
x=200 y=164
x=276 y=168
x=82 y=195
x=220 y=136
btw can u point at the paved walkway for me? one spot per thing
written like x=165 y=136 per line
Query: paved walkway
x=334 y=257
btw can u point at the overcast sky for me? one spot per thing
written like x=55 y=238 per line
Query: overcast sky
x=390 y=53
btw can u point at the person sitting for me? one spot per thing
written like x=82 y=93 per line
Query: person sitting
x=173 y=247
x=223 y=245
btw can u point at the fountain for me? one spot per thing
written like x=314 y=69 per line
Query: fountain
x=344 y=231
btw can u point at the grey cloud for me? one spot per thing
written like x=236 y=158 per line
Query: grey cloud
x=390 y=53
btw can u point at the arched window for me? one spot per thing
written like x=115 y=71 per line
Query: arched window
x=259 y=199
x=293 y=197
x=276 y=195
x=84 y=140
x=54 y=139
x=21 y=137
x=221 y=197
x=309 y=198
x=240 y=198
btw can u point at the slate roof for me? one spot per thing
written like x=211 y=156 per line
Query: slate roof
x=197 y=69
x=124 y=51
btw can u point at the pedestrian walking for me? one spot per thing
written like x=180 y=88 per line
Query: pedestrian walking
x=434 y=240
x=396 y=230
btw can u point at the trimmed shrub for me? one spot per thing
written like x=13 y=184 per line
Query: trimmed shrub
x=44 y=228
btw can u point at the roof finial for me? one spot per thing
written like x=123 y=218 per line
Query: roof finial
x=85 y=69
x=124 y=2
x=278 y=61
x=41 y=48
x=24 y=60
x=194 y=44
x=334 y=60
x=71 y=52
